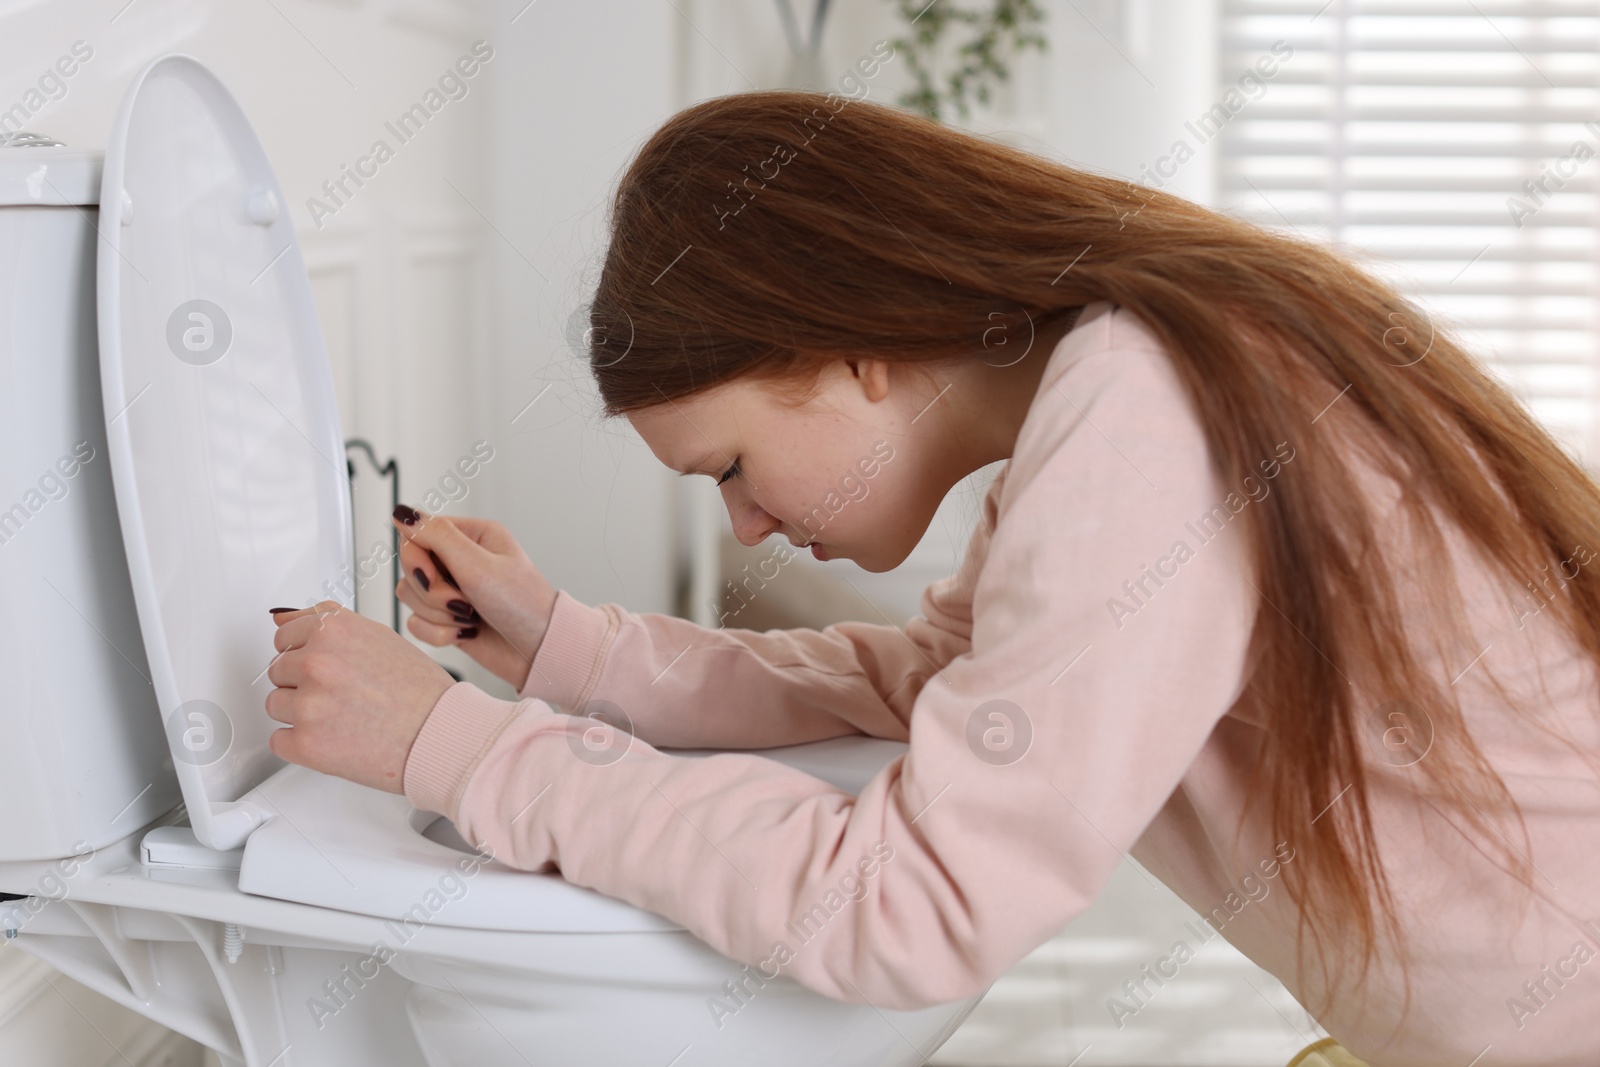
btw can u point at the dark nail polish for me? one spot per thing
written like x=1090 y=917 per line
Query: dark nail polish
x=466 y=632
x=444 y=572
x=278 y=611
x=422 y=578
x=406 y=514
x=460 y=607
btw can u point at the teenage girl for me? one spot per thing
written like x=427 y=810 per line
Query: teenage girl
x=1277 y=587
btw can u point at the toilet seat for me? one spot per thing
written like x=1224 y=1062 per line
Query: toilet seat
x=335 y=844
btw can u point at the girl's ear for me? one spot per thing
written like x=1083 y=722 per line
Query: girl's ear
x=873 y=374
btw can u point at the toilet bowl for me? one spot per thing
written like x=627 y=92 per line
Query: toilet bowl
x=352 y=929
x=188 y=476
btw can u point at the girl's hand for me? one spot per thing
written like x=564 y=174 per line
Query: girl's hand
x=468 y=583
x=353 y=692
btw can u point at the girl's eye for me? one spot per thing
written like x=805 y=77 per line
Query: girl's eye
x=731 y=472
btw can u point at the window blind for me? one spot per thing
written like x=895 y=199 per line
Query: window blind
x=1452 y=146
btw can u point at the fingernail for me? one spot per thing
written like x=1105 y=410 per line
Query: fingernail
x=460 y=607
x=444 y=572
x=422 y=579
x=406 y=514
x=278 y=611
x=466 y=632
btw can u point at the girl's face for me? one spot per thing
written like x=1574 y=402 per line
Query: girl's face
x=856 y=471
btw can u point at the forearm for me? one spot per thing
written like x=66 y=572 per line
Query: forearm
x=682 y=685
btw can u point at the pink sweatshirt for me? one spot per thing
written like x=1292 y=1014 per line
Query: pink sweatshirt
x=1069 y=700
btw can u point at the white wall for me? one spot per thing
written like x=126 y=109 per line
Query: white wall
x=579 y=88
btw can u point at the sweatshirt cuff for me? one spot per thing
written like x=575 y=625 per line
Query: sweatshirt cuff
x=464 y=724
x=567 y=666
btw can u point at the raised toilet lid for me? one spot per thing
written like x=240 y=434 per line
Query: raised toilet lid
x=232 y=495
x=221 y=424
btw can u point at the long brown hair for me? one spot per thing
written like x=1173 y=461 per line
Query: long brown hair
x=766 y=232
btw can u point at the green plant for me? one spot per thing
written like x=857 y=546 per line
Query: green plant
x=999 y=30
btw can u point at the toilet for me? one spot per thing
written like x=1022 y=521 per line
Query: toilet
x=171 y=465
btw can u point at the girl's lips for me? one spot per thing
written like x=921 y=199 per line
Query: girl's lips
x=817 y=552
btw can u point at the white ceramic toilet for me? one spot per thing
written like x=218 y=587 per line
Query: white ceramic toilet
x=154 y=502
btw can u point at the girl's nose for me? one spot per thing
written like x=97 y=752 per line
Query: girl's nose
x=751 y=525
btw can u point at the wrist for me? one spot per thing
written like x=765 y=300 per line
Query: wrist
x=461 y=727
x=543 y=614
x=524 y=649
x=567 y=666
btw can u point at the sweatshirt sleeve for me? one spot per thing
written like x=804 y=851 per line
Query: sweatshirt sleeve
x=681 y=685
x=1108 y=639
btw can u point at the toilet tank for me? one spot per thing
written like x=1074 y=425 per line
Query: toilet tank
x=82 y=758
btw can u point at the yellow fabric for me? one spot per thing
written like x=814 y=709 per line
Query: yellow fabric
x=1325 y=1053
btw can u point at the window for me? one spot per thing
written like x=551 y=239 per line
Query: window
x=1449 y=144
